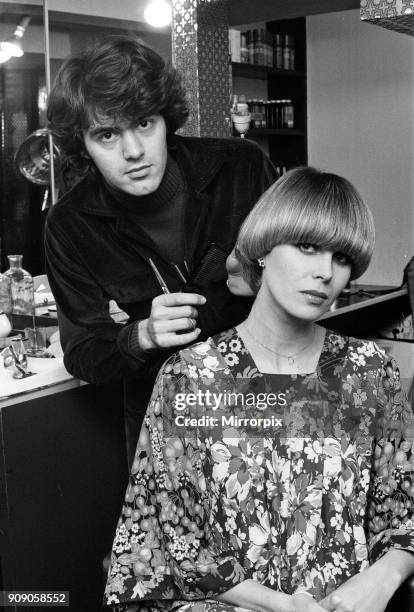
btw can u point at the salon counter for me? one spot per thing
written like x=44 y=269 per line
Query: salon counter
x=48 y=376
x=63 y=475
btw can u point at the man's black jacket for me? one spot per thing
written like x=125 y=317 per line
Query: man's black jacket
x=94 y=254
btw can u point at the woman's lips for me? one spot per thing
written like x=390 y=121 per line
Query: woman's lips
x=315 y=297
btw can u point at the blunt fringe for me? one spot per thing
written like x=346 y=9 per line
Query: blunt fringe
x=307 y=205
x=117 y=77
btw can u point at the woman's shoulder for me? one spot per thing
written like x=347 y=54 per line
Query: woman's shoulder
x=197 y=360
x=360 y=352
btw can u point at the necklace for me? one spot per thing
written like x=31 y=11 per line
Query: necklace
x=290 y=358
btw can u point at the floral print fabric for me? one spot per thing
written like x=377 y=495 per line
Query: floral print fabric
x=298 y=509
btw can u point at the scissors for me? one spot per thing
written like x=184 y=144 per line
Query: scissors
x=160 y=279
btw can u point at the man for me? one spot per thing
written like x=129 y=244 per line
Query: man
x=154 y=212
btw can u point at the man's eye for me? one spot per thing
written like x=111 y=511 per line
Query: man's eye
x=145 y=124
x=105 y=136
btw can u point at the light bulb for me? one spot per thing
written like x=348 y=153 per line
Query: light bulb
x=12 y=47
x=4 y=56
x=158 y=13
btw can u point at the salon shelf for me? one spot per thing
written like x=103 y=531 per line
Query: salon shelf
x=285 y=147
x=275 y=132
x=255 y=71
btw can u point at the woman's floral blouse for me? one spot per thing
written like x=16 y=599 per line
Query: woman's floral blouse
x=300 y=507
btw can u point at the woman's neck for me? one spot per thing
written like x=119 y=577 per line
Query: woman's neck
x=281 y=344
x=273 y=325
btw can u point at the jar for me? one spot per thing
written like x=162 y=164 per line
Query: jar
x=21 y=287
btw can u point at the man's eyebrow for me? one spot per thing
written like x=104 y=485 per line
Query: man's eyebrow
x=94 y=130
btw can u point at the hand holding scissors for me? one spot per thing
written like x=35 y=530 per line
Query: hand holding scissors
x=171 y=313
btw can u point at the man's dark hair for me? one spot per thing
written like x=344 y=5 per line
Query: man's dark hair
x=118 y=77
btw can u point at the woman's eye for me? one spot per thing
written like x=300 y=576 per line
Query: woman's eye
x=307 y=247
x=342 y=258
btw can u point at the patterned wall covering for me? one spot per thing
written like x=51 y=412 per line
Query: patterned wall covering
x=395 y=15
x=201 y=53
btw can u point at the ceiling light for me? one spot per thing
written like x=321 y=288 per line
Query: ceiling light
x=158 y=13
x=13 y=45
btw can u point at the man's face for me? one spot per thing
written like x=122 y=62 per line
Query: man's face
x=131 y=158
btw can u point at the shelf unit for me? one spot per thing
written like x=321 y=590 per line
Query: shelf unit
x=286 y=147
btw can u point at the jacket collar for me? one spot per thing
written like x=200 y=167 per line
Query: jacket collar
x=200 y=158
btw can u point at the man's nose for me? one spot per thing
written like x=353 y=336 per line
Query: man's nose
x=324 y=266
x=132 y=145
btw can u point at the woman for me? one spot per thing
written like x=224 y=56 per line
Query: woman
x=225 y=510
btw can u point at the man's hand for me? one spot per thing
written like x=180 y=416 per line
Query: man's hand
x=171 y=313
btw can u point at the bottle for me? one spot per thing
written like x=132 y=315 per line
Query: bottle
x=5 y=294
x=269 y=49
x=262 y=111
x=260 y=48
x=282 y=114
x=244 y=51
x=251 y=46
x=292 y=52
x=256 y=118
x=268 y=106
x=255 y=46
x=242 y=107
x=233 y=103
x=273 y=114
x=278 y=52
x=289 y=114
x=286 y=52
x=21 y=286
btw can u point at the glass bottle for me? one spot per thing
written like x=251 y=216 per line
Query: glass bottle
x=22 y=288
x=5 y=294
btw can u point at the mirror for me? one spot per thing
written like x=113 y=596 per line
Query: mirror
x=72 y=26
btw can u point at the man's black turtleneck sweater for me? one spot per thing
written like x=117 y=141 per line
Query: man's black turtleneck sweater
x=160 y=214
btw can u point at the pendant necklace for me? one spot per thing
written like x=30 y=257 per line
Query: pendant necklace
x=290 y=358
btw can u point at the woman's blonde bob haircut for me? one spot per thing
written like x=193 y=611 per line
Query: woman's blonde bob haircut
x=307 y=206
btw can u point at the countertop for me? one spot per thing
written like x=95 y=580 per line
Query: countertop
x=48 y=373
